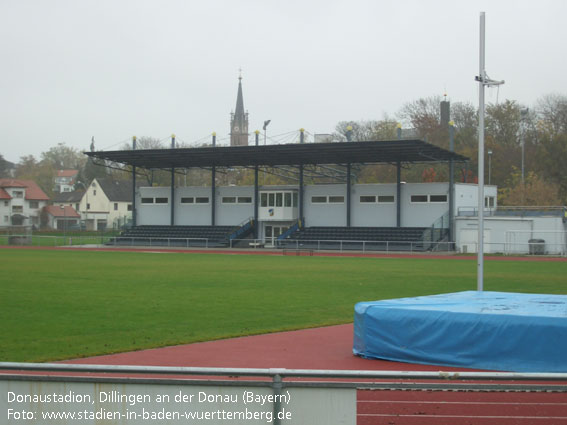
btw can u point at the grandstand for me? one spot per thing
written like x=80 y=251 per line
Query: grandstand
x=338 y=215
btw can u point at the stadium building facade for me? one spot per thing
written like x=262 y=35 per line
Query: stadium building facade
x=372 y=205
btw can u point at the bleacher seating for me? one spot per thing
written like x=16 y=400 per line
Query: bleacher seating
x=358 y=238
x=211 y=236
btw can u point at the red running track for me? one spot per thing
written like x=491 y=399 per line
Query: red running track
x=331 y=348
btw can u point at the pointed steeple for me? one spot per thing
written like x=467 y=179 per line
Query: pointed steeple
x=239 y=120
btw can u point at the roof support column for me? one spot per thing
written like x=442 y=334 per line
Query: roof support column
x=300 y=194
x=172 y=200
x=256 y=195
x=348 y=190
x=399 y=182
x=451 y=182
x=398 y=194
x=134 y=186
x=213 y=186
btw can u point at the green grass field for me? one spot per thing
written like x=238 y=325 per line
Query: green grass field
x=57 y=305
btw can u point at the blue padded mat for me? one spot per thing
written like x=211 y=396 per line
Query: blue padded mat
x=481 y=330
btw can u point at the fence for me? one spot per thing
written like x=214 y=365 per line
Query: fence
x=53 y=241
x=289 y=396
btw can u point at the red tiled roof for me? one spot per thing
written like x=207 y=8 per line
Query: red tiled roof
x=4 y=194
x=33 y=191
x=59 y=212
x=67 y=173
x=11 y=183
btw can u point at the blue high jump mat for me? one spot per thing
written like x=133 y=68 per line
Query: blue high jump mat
x=481 y=330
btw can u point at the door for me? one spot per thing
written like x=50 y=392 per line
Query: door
x=272 y=232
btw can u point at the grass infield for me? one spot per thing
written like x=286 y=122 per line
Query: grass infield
x=58 y=305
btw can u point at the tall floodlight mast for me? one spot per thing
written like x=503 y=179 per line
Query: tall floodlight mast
x=483 y=81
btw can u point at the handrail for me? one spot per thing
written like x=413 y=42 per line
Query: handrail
x=283 y=372
x=242 y=228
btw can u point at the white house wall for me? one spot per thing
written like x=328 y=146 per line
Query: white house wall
x=32 y=214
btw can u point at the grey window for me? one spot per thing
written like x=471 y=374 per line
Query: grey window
x=319 y=199
x=187 y=200
x=144 y=201
x=367 y=199
x=437 y=198
x=229 y=199
x=202 y=200
x=336 y=199
x=287 y=199
x=264 y=200
x=386 y=199
x=244 y=199
x=418 y=198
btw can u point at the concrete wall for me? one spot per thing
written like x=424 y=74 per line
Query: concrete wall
x=466 y=197
x=326 y=214
x=233 y=214
x=156 y=214
x=510 y=235
x=161 y=401
x=373 y=214
x=377 y=214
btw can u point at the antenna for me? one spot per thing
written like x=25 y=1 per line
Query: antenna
x=484 y=81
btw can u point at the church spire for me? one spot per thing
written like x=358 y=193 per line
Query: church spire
x=239 y=120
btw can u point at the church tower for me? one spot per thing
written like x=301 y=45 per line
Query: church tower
x=239 y=120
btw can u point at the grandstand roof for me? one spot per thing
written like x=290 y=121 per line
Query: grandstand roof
x=371 y=152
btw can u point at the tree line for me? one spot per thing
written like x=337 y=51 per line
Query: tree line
x=537 y=133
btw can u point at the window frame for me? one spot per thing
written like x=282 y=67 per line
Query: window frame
x=342 y=201
x=321 y=199
x=361 y=201
x=419 y=202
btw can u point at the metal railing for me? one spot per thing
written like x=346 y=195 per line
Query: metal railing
x=512 y=211
x=365 y=246
x=511 y=247
x=284 y=386
x=54 y=241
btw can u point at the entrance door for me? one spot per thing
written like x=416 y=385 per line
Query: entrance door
x=272 y=232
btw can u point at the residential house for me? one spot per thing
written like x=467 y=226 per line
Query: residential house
x=106 y=203
x=21 y=202
x=71 y=199
x=61 y=217
x=65 y=180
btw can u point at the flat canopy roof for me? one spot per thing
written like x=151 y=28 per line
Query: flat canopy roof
x=372 y=152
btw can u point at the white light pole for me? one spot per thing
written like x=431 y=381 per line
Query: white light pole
x=483 y=81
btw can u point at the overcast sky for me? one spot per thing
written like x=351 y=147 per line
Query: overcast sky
x=75 y=69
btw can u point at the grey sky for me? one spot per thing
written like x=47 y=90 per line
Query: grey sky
x=74 y=69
